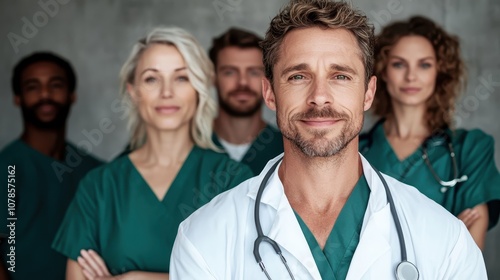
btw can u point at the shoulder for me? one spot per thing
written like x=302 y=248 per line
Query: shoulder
x=427 y=226
x=410 y=197
x=474 y=136
x=107 y=173
x=472 y=145
x=422 y=214
x=12 y=150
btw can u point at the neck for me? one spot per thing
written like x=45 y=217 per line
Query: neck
x=48 y=142
x=238 y=130
x=164 y=148
x=407 y=122
x=319 y=183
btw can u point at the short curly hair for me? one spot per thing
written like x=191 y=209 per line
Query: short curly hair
x=325 y=14
x=450 y=70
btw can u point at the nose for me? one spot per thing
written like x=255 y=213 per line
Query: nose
x=410 y=74
x=320 y=94
x=167 y=91
x=45 y=92
x=243 y=80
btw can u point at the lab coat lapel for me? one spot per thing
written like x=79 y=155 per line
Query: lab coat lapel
x=374 y=245
x=287 y=233
x=285 y=229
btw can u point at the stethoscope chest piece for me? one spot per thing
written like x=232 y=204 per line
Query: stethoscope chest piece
x=406 y=271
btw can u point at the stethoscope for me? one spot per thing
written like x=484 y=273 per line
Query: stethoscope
x=405 y=270
x=434 y=140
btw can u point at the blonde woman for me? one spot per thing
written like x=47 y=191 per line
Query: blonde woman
x=124 y=218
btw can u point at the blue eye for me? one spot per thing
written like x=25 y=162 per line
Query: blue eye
x=296 y=78
x=341 y=77
x=150 y=80
x=255 y=73
x=182 y=79
x=426 y=65
x=397 y=64
x=228 y=72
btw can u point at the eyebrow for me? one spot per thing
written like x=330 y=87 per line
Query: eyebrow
x=298 y=67
x=334 y=67
x=224 y=67
x=156 y=70
x=424 y=58
x=34 y=80
x=343 y=68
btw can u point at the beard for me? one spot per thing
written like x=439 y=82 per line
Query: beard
x=239 y=111
x=57 y=122
x=319 y=145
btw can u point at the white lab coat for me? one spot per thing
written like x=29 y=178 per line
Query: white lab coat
x=216 y=242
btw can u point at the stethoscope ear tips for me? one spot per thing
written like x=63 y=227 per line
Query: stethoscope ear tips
x=406 y=271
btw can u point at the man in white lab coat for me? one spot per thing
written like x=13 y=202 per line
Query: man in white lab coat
x=321 y=204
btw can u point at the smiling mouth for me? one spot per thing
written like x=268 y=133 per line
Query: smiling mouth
x=243 y=96
x=167 y=109
x=410 y=90
x=319 y=122
x=47 y=108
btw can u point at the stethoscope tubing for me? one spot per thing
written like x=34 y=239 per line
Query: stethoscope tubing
x=403 y=265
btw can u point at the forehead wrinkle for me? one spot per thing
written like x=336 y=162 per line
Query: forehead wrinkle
x=342 y=52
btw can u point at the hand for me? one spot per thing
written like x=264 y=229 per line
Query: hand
x=469 y=216
x=93 y=266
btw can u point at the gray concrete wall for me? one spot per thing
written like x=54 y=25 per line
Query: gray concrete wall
x=97 y=36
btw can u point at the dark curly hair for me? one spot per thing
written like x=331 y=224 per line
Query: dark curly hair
x=450 y=69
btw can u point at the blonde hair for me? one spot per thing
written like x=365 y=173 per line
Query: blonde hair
x=201 y=76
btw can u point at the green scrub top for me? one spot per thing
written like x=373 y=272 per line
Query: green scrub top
x=266 y=146
x=474 y=152
x=334 y=260
x=117 y=214
x=43 y=188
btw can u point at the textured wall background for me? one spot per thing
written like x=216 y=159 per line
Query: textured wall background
x=96 y=36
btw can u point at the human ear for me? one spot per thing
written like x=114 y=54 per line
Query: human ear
x=370 y=93
x=132 y=92
x=268 y=94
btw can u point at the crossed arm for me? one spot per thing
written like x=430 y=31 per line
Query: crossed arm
x=476 y=220
x=91 y=266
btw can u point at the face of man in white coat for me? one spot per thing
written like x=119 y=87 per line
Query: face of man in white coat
x=319 y=90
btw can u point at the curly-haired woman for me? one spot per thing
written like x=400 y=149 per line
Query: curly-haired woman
x=420 y=74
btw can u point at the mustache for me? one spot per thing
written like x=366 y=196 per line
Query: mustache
x=45 y=102
x=326 y=112
x=244 y=89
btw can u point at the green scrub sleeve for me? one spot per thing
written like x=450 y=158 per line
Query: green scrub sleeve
x=79 y=228
x=483 y=184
